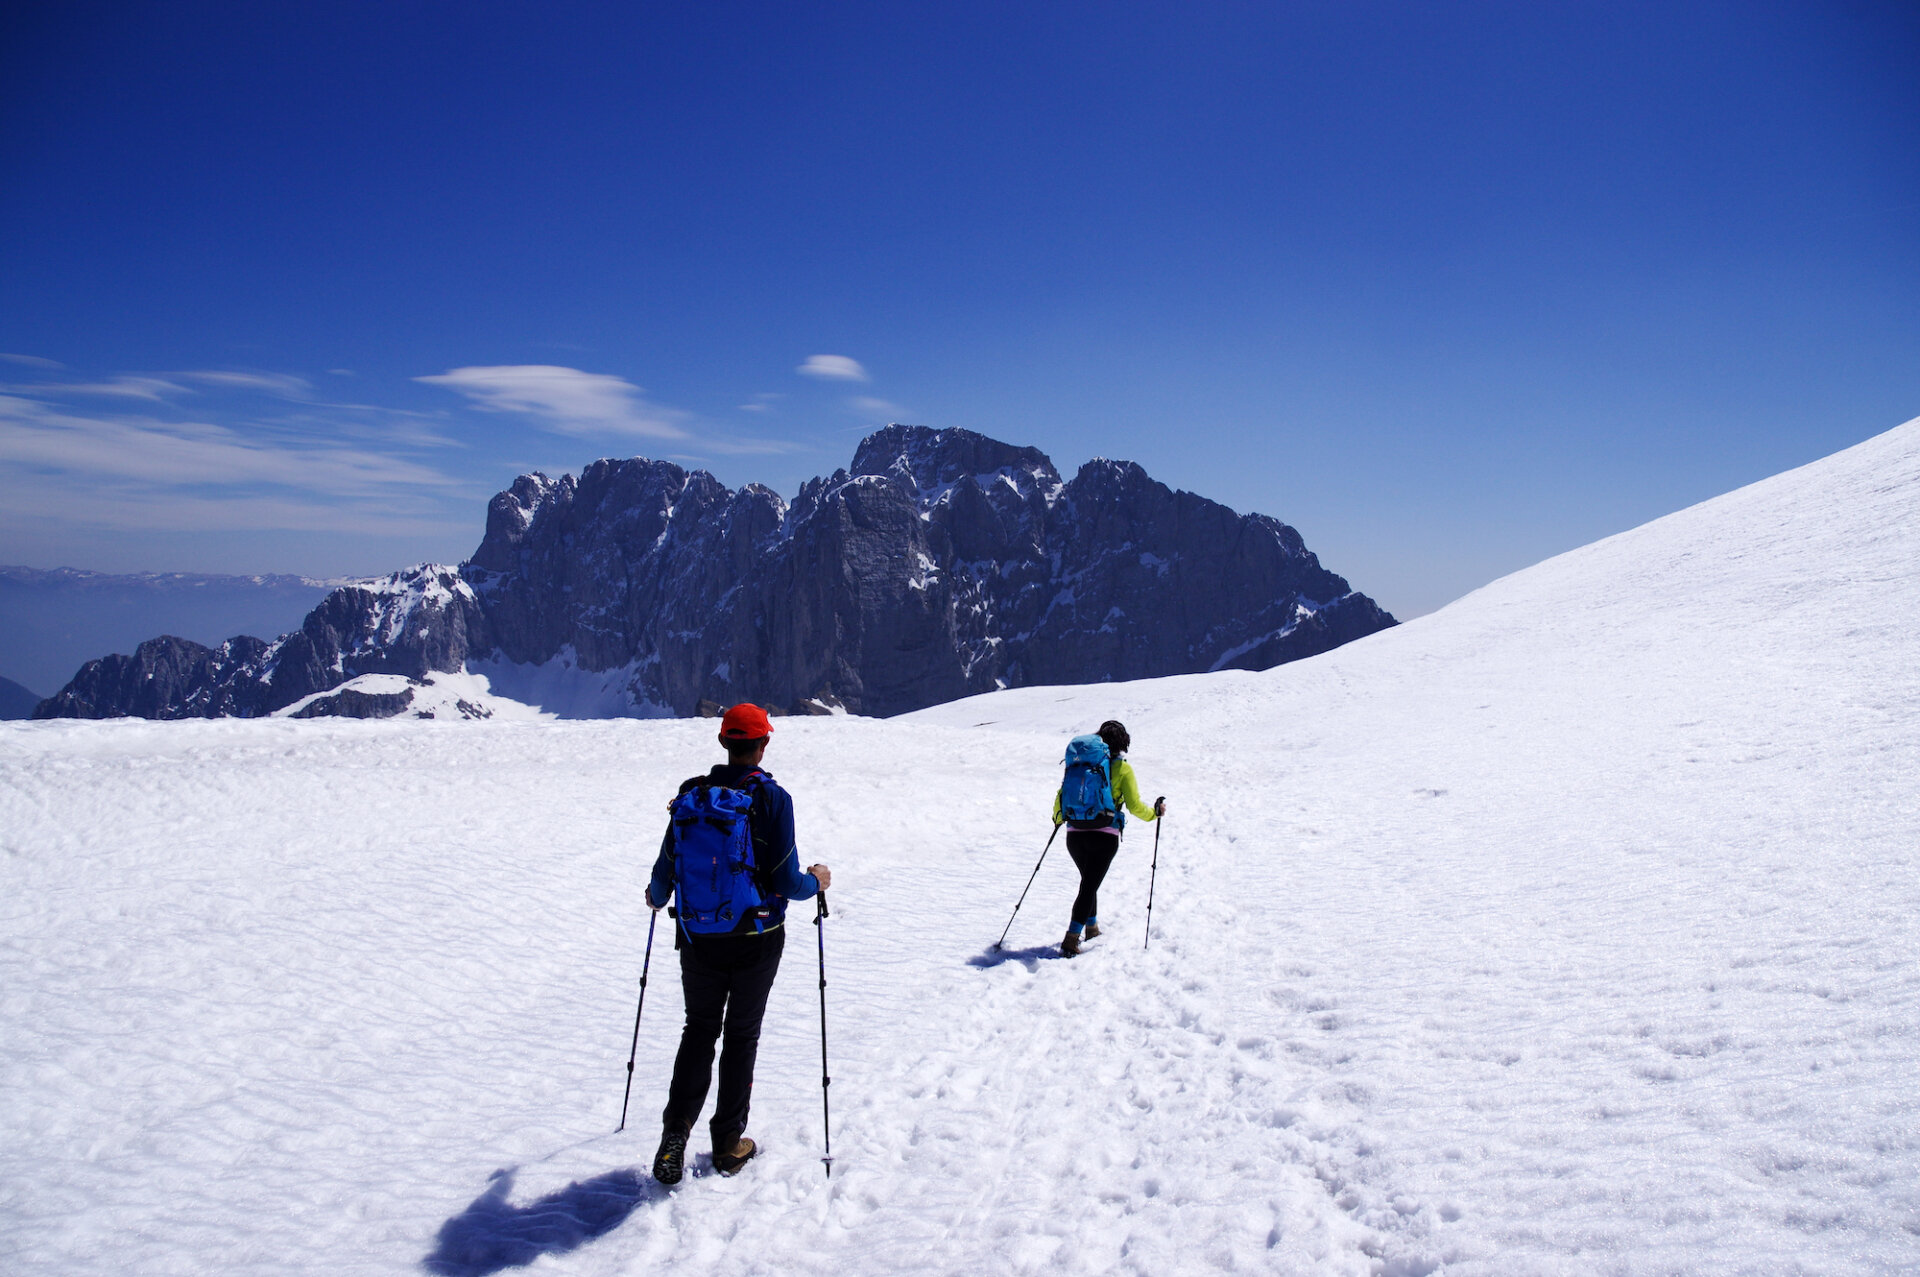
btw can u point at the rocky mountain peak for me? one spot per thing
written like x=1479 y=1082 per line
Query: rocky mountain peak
x=512 y=512
x=929 y=462
x=943 y=563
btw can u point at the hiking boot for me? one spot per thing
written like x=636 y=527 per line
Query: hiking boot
x=1071 y=945
x=730 y=1162
x=671 y=1161
x=1093 y=929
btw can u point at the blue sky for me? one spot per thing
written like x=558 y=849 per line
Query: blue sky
x=1449 y=287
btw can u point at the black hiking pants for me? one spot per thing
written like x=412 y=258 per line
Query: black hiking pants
x=1092 y=851
x=726 y=980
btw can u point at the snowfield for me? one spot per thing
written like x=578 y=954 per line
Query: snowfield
x=1568 y=930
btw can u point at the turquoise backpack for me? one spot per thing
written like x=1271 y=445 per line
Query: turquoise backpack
x=1086 y=791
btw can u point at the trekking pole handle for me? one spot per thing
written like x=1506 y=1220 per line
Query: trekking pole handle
x=820 y=915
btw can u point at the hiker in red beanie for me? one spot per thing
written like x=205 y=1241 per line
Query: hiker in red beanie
x=729 y=862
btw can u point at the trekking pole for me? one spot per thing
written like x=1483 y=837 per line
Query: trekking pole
x=1159 y=814
x=826 y=1114
x=635 y=1048
x=1029 y=887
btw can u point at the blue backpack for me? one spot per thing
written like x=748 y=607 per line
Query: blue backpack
x=1086 y=792
x=715 y=879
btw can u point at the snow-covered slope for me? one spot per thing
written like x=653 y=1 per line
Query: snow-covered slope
x=1566 y=930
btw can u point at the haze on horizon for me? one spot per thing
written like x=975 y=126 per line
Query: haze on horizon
x=1449 y=292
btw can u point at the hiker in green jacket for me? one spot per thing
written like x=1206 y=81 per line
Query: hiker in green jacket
x=1093 y=850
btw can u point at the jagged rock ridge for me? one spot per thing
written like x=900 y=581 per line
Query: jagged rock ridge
x=412 y=623
x=942 y=563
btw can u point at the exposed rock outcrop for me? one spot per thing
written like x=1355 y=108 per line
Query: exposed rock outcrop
x=350 y=702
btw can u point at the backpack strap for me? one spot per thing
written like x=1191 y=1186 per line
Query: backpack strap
x=755 y=783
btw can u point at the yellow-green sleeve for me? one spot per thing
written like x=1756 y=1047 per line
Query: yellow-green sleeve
x=1056 y=806
x=1127 y=790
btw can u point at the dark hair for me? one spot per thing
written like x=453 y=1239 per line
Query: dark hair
x=1115 y=735
x=737 y=749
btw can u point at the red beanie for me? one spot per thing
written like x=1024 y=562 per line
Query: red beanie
x=745 y=722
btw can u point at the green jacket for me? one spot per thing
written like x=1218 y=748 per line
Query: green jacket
x=1126 y=796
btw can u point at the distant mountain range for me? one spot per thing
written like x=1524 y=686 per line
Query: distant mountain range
x=942 y=563
x=51 y=620
x=16 y=701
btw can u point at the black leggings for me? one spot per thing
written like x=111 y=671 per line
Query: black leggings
x=1092 y=851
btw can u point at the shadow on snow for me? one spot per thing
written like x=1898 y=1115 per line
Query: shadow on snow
x=992 y=957
x=492 y=1233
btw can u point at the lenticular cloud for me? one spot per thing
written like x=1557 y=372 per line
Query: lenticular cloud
x=833 y=368
x=564 y=400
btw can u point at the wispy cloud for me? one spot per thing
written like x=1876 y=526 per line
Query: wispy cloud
x=867 y=405
x=161 y=452
x=374 y=423
x=133 y=472
x=238 y=451
x=833 y=368
x=32 y=361
x=564 y=400
x=153 y=389
x=272 y=383
x=121 y=508
x=157 y=388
